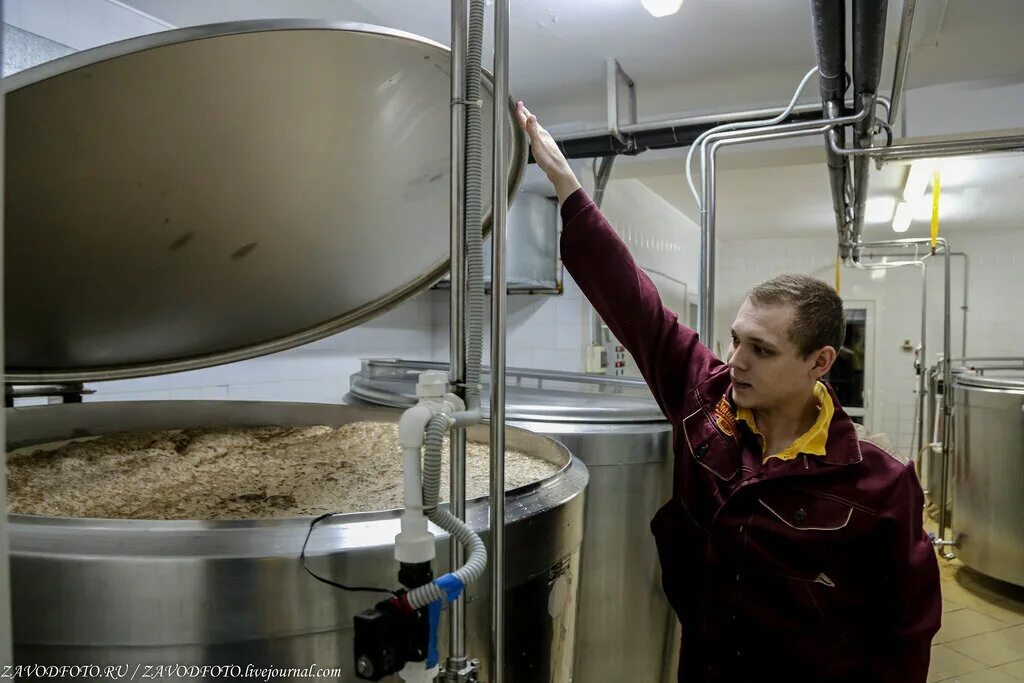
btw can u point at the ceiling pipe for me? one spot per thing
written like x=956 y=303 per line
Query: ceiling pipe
x=830 y=44
x=902 y=59
x=868 y=45
x=674 y=133
x=664 y=135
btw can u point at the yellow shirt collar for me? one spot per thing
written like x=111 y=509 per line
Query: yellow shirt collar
x=811 y=442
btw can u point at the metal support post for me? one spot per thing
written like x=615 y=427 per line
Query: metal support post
x=499 y=211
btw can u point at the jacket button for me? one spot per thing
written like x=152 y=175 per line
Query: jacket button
x=800 y=515
x=700 y=451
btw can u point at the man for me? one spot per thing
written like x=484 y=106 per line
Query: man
x=793 y=548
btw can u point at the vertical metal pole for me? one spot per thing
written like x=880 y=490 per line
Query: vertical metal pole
x=499 y=210
x=947 y=398
x=922 y=369
x=6 y=657
x=963 y=306
x=706 y=284
x=457 y=342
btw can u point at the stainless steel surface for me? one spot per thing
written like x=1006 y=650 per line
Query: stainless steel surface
x=709 y=153
x=988 y=479
x=1001 y=380
x=531 y=247
x=23 y=49
x=456 y=319
x=630 y=466
x=534 y=395
x=200 y=592
x=922 y=384
x=902 y=59
x=499 y=203
x=947 y=405
x=5 y=594
x=602 y=174
x=532 y=264
x=944 y=148
x=706 y=283
x=937 y=420
x=939 y=487
x=705 y=295
x=614 y=73
x=188 y=210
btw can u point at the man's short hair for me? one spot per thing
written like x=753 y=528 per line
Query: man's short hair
x=819 y=320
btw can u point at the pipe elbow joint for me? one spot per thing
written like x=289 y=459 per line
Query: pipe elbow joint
x=412 y=426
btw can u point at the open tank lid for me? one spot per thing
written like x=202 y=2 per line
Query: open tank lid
x=1006 y=380
x=215 y=193
x=530 y=395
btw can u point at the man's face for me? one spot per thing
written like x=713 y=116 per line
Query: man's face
x=767 y=368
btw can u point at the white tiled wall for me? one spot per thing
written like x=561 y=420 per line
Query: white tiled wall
x=663 y=241
x=994 y=326
x=315 y=372
x=542 y=331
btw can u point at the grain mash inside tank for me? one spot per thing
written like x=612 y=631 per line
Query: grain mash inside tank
x=234 y=473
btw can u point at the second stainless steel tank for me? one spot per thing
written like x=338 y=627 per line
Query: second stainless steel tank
x=627 y=631
x=117 y=592
x=988 y=474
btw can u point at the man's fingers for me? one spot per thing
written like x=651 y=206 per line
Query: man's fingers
x=522 y=114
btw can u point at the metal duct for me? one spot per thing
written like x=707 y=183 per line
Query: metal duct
x=830 y=43
x=868 y=45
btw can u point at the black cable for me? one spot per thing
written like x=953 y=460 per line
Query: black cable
x=355 y=589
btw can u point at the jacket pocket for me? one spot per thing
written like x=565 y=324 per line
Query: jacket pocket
x=803 y=512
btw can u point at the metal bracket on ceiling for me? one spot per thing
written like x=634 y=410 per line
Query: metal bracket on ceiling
x=617 y=78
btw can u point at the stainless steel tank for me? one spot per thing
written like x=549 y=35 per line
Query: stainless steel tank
x=116 y=592
x=988 y=473
x=627 y=631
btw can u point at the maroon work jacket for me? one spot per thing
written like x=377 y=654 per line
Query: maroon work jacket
x=814 y=569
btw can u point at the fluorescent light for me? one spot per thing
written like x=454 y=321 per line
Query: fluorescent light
x=879 y=209
x=918 y=179
x=662 y=8
x=904 y=214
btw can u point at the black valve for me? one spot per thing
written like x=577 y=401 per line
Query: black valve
x=392 y=634
x=388 y=636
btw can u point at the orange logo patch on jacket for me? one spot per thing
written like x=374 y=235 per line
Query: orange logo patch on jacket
x=725 y=418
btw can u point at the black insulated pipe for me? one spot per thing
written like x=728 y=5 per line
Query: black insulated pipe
x=830 y=43
x=868 y=45
x=829 y=20
x=667 y=137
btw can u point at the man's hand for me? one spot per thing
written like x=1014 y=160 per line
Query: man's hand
x=547 y=155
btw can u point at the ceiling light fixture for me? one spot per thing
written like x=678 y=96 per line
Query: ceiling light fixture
x=904 y=214
x=918 y=179
x=661 y=8
x=879 y=209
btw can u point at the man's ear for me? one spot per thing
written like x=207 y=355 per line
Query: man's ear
x=823 y=360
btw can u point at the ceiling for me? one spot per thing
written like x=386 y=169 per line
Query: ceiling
x=711 y=54
x=717 y=55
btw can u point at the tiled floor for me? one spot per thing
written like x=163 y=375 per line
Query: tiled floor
x=982 y=635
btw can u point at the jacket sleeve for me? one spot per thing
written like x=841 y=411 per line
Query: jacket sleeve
x=911 y=606
x=669 y=355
